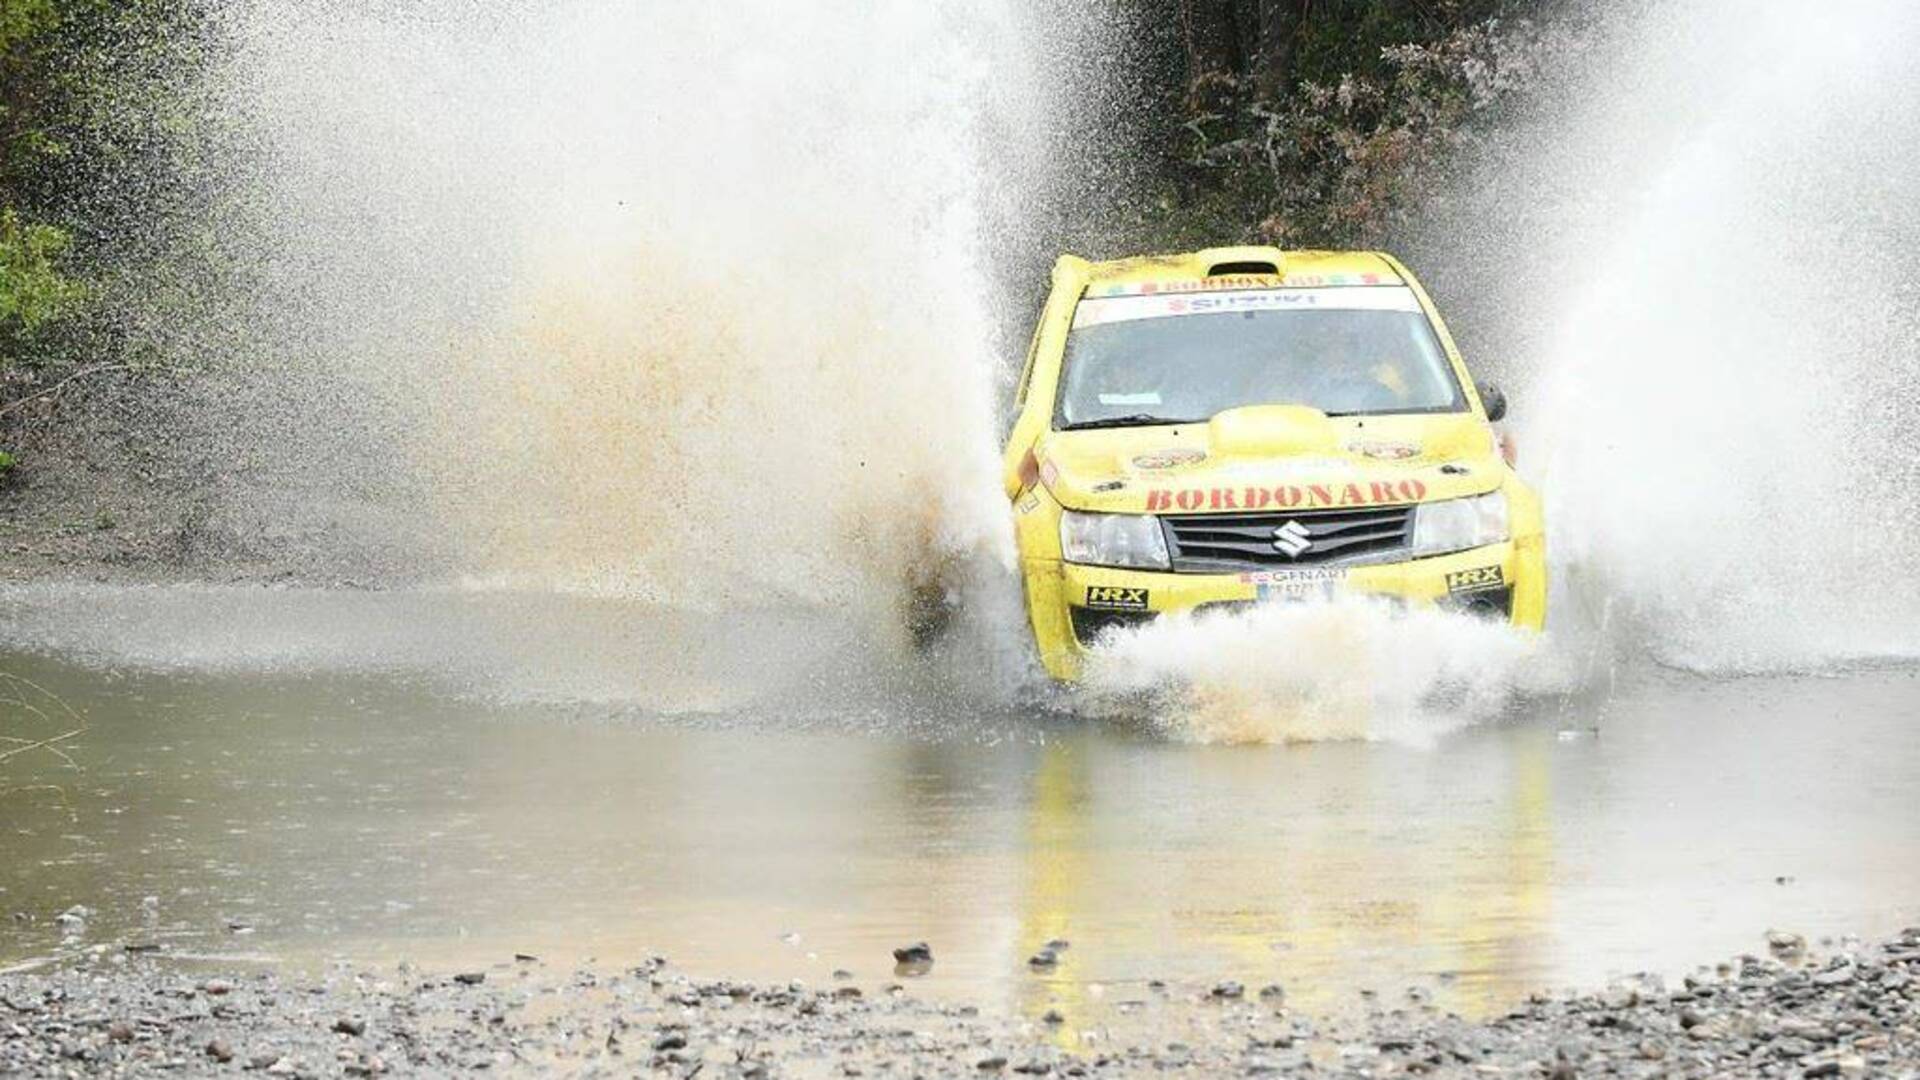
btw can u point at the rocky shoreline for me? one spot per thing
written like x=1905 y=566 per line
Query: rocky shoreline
x=1850 y=1011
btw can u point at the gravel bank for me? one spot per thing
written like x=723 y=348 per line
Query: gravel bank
x=1854 y=1011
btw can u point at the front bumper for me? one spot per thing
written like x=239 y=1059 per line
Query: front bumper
x=1070 y=604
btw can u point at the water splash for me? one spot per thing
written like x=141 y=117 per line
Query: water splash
x=1355 y=669
x=685 y=309
x=1704 y=277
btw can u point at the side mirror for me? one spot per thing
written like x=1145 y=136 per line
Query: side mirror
x=1495 y=399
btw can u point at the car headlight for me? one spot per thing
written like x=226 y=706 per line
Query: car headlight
x=1459 y=524
x=1130 y=540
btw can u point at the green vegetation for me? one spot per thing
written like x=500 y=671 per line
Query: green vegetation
x=106 y=234
x=1317 y=124
x=32 y=289
x=91 y=122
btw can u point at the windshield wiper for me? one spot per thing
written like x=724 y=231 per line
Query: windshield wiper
x=1130 y=420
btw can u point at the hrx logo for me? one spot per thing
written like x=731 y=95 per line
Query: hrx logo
x=1116 y=598
x=1480 y=580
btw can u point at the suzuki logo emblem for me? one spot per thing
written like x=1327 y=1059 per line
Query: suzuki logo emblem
x=1292 y=539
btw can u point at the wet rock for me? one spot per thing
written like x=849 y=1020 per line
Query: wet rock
x=1620 y=997
x=917 y=953
x=1837 y=976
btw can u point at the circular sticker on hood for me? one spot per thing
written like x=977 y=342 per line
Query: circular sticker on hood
x=1169 y=459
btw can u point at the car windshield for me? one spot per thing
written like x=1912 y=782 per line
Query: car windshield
x=1143 y=359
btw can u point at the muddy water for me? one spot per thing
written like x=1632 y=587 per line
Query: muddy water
x=289 y=805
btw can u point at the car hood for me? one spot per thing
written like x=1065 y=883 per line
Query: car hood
x=1271 y=457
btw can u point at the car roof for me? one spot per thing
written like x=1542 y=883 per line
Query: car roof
x=1302 y=267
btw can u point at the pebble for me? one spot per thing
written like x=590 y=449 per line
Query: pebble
x=917 y=953
x=1840 y=1018
x=1045 y=958
x=470 y=978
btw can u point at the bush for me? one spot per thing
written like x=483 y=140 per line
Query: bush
x=32 y=288
x=1341 y=163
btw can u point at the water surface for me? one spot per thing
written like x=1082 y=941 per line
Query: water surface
x=374 y=813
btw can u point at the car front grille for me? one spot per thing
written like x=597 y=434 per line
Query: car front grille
x=1217 y=543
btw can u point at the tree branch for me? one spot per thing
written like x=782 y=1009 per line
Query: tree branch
x=81 y=374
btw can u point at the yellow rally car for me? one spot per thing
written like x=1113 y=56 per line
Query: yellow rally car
x=1246 y=424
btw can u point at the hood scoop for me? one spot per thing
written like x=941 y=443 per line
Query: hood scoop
x=1272 y=431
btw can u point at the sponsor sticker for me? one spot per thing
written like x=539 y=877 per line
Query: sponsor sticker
x=1286 y=496
x=1100 y=311
x=1169 y=459
x=1385 y=451
x=1480 y=580
x=1028 y=505
x=1287 y=585
x=1236 y=282
x=1116 y=598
